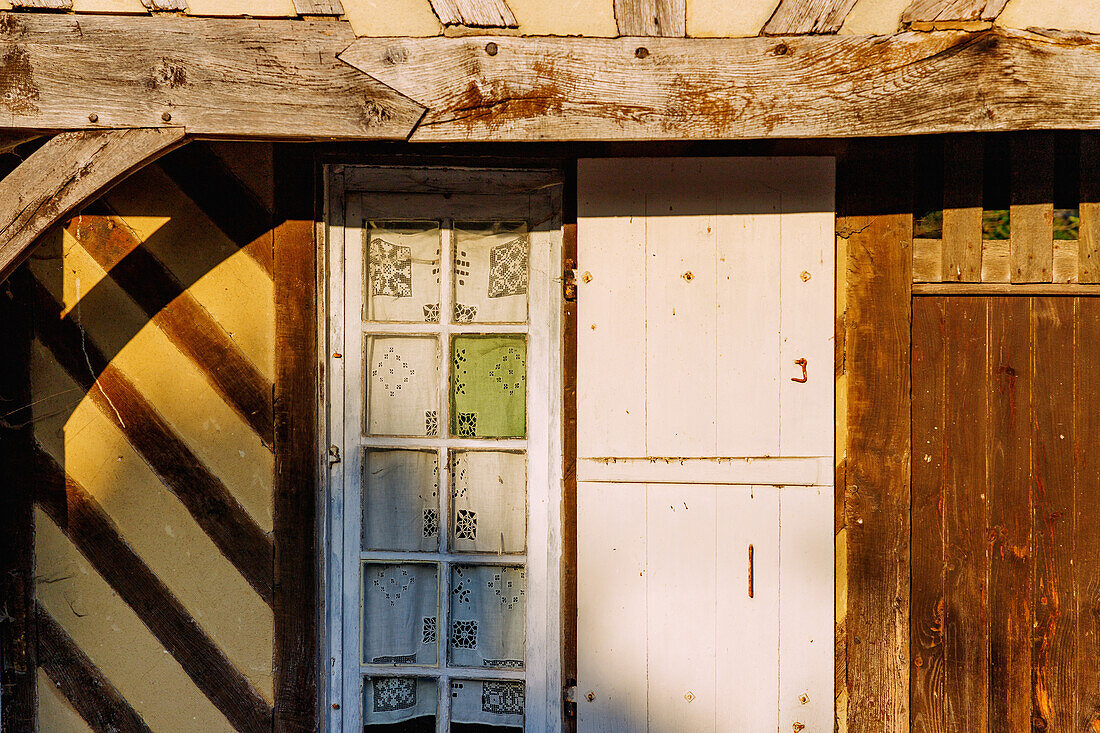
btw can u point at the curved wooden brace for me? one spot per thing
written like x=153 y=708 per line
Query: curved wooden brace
x=69 y=170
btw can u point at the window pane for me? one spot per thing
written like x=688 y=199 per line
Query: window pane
x=487 y=614
x=399 y=704
x=402 y=375
x=488 y=501
x=400 y=500
x=489 y=386
x=399 y=613
x=402 y=271
x=486 y=705
x=490 y=272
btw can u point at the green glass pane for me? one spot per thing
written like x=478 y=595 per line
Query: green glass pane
x=489 y=386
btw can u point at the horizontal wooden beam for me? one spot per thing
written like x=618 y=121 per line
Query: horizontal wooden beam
x=215 y=76
x=68 y=170
x=1005 y=289
x=517 y=88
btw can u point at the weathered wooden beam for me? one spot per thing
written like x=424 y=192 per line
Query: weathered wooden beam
x=86 y=524
x=651 y=17
x=932 y=11
x=809 y=86
x=319 y=7
x=796 y=17
x=213 y=506
x=68 y=170
x=214 y=76
x=90 y=693
x=475 y=13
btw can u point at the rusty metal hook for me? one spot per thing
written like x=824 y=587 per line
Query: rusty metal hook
x=802 y=379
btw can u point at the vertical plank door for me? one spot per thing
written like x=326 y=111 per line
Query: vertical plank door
x=705 y=434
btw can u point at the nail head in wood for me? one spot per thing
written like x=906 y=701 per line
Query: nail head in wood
x=167 y=116
x=641 y=52
x=93 y=117
x=491 y=48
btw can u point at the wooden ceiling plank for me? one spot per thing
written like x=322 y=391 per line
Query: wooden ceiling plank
x=672 y=88
x=800 y=17
x=224 y=77
x=475 y=13
x=944 y=11
x=651 y=17
x=71 y=168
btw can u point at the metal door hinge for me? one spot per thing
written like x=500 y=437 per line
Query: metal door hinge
x=569 y=282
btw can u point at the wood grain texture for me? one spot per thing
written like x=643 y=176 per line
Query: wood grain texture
x=179 y=6
x=87 y=690
x=296 y=450
x=475 y=13
x=799 y=17
x=319 y=7
x=569 y=464
x=962 y=209
x=43 y=4
x=812 y=86
x=651 y=17
x=68 y=170
x=1054 y=593
x=874 y=201
x=1008 y=394
x=1005 y=288
x=1088 y=265
x=928 y=713
x=966 y=564
x=18 y=651
x=1031 y=213
x=930 y=11
x=209 y=501
x=186 y=323
x=1086 y=478
x=91 y=531
x=229 y=77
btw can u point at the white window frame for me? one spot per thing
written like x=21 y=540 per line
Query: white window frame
x=449 y=191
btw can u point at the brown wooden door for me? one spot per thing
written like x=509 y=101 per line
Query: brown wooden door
x=1006 y=514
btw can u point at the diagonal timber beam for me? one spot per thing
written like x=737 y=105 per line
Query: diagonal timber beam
x=70 y=169
x=910 y=83
x=227 y=77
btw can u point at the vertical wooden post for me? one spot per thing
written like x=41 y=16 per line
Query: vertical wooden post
x=569 y=450
x=1088 y=267
x=875 y=218
x=1031 y=213
x=18 y=640
x=296 y=398
x=962 y=209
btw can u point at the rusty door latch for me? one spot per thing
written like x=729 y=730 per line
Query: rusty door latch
x=802 y=379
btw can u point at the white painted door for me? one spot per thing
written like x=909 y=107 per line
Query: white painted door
x=705 y=445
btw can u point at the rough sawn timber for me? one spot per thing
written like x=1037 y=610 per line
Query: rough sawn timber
x=796 y=17
x=214 y=76
x=651 y=17
x=68 y=170
x=475 y=13
x=811 y=86
x=930 y=11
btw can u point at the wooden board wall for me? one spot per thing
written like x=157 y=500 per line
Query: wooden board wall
x=1006 y=489
x=155 y=528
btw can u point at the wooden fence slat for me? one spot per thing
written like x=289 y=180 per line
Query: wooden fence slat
x=68 y=170
x=1054 y=597
x=186 y=323
x=209 y=501
x=962 y=209
x=927 y=605
x=319 y=7
x=1089 y=228
x=651 y=17
x=1031 y=213
x=18 y=651
x=90 y=530
x=296 y=450
x=966 y=574
x=874 y=215
x=90 y=693
x=1008 y=392
x=475 y=13
x=927 y=260
x=799 y=17
x=1086 y=561
x=931 y=11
